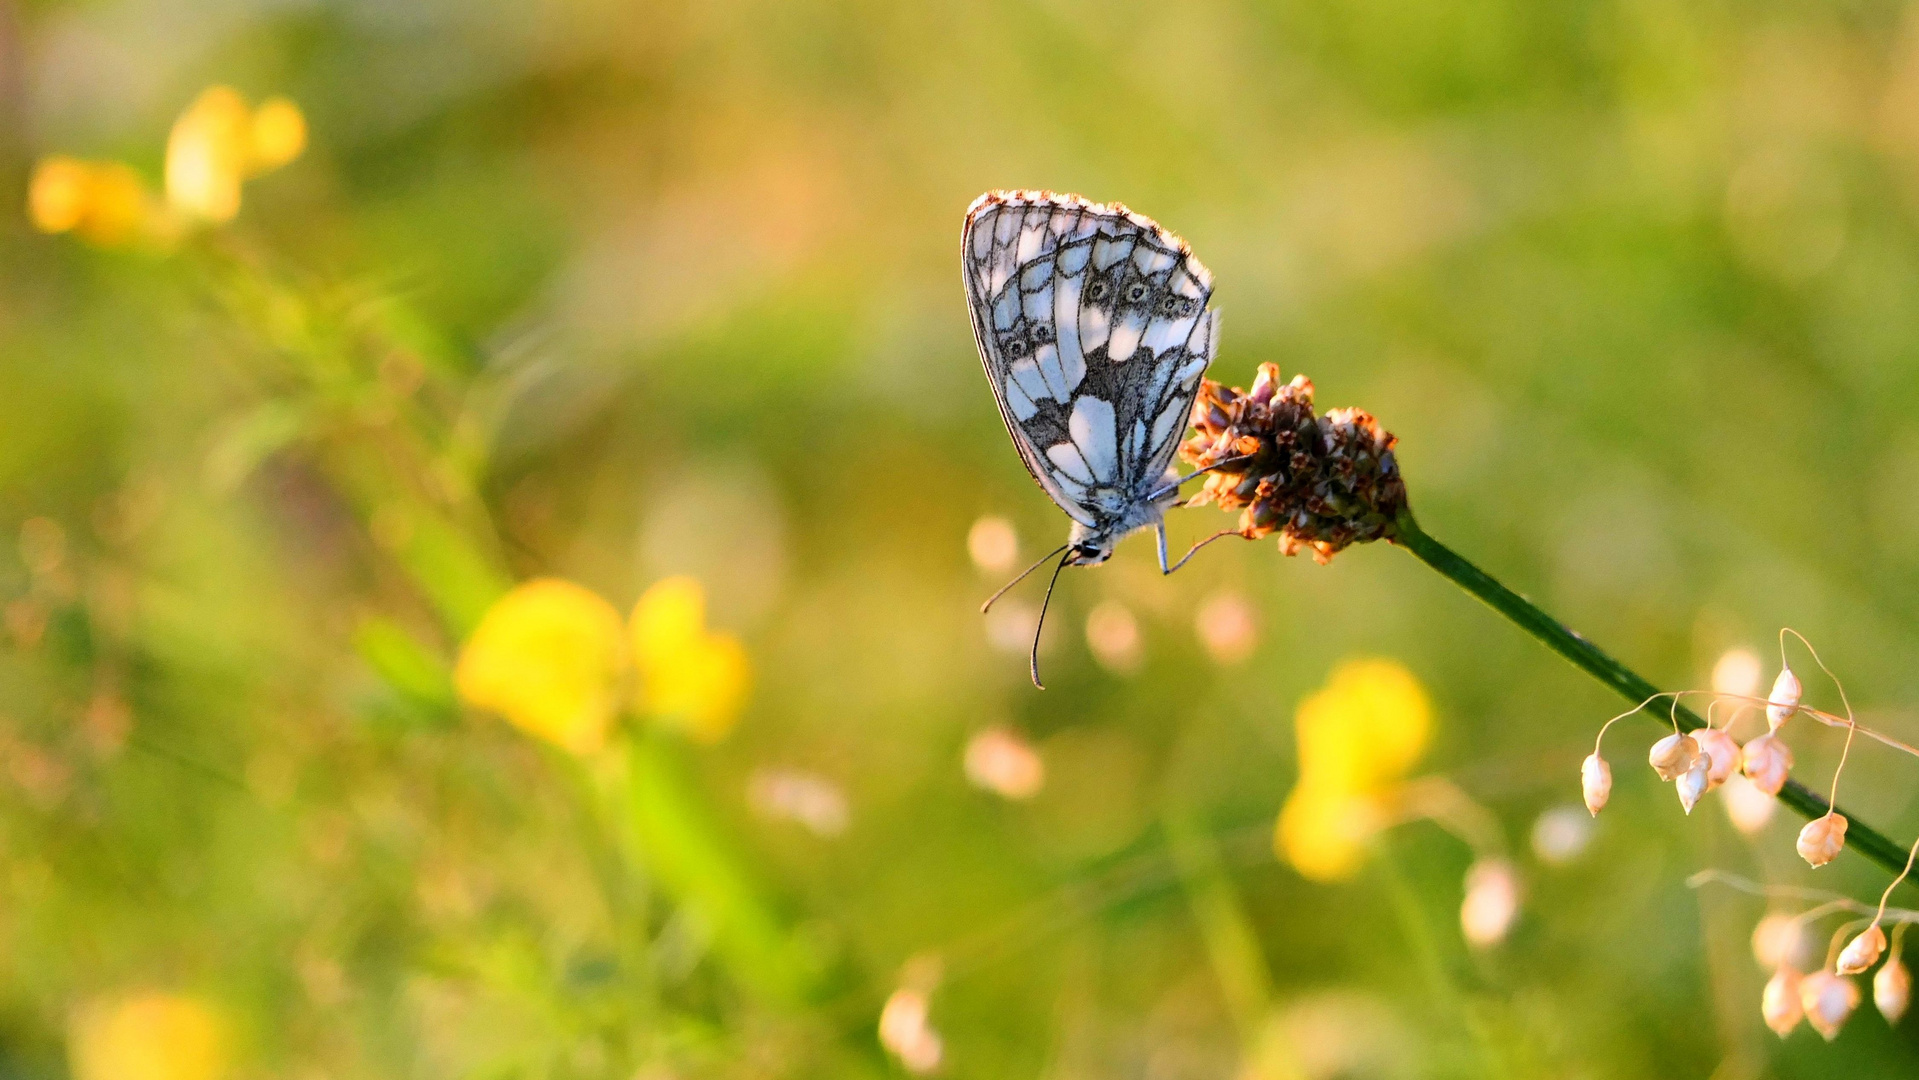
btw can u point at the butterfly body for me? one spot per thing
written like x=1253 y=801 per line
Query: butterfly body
x=1094 y=329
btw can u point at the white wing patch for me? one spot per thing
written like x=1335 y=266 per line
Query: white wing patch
x=1094 y=328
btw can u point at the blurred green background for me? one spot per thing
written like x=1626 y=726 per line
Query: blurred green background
x=610 y=292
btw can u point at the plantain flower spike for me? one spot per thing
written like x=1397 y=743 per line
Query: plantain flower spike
x=1892 y=989
x=1828 y=1000
x=1862 y=951
x=1595 y=781
x=1320 y=482
x=1784 y=699
x=1767 y=761
x=1779 y=1003
x=1695 y=781
x=1822 y=839
x=1673 y=755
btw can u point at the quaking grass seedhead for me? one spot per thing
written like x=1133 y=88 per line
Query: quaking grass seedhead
x=1320 y=482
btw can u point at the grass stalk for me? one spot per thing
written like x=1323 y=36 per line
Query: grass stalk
x=1600 y=665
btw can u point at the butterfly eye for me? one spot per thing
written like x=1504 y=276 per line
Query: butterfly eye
x=1135 y=292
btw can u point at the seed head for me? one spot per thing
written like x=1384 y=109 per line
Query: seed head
x=1766 y=761
x=1822 y=838
x=1892 y=989
x=1320 y=482
x=1694 y=781
x=1595 y=780
x=1725 y=753
x=1828 y=1000
x=1673 y=755
x=1779 y=1004
x=1784 y=699
x=1862 y=951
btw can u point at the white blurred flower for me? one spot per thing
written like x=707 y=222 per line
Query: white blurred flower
x=1010 y=625
x=1737 y=672
x=1002 y=762
x=1492 y=901
x=1226 y=627
x=1113 y=635
x=1780 y=940
x=1828 y=1000
x=1779 y=1003
x=1595 y=782
x=804 y=798
x=1748 y=807
x=993 y=544
x=1561 y=834
x=906 y=1029
x=1892 y=989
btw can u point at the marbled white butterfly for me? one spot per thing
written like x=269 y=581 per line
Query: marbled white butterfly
x=1093 y=327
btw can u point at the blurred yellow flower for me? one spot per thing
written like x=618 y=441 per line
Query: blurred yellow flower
x=103 y=201
x=688 y=677
x=218 y=142
x=1358 y=737
x=148 y=1036
x=548 y=656
x=279 y=135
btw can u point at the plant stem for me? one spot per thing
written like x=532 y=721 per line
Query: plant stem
x=1630 y=684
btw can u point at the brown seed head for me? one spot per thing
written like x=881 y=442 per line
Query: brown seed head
x=1320 y=482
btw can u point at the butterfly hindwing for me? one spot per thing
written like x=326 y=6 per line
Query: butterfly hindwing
x=1093 y=326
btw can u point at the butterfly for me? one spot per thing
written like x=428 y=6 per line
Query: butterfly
x=1094 y=328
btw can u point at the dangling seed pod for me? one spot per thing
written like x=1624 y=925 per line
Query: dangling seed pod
x=1823 y=838
x=1828 y=1000
x=1694 y=781
x=1595 y=781
x=1767 y=761
x=1725 y=753
x=1779 y=1004
x=1784 y=699
x=1673 y=755
x=1892 y=990
x=1862 y=951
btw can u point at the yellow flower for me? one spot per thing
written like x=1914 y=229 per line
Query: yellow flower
x=548 y=656
x=279 y=135
x=207 y=154
x=148 y=1036
x=104 y=201
x=219 y=141
x=689 y=677
x=1358 y=737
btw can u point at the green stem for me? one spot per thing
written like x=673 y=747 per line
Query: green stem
x=1630 y=684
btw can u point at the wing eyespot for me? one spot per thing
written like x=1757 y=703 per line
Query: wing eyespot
x=1013 y=347
x=1099 y=290
x=1135 y=292
x=1042 y=334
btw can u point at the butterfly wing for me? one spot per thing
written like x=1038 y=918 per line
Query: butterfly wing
x=1093 y=327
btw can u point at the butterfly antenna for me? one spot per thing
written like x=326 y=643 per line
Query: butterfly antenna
x=1041 y=624
x=1023 y=575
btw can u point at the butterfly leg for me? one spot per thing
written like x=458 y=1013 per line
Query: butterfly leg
x=1194 y=550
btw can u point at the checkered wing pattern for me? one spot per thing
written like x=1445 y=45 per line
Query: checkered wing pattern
x=1093 y=326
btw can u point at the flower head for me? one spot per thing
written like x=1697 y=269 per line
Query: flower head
x=1321 y=483
x=1780 y=1003
x=149 y=1036
x=1358 y=738
x=548 y=656
x=1863 y=951
x=1892 y=989
x=103 y=201
x=219 y=142
x=689 y=677
x=1822 y=839
x=1828 y=1000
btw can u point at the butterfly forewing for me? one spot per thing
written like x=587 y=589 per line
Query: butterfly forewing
x=1094 y=330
